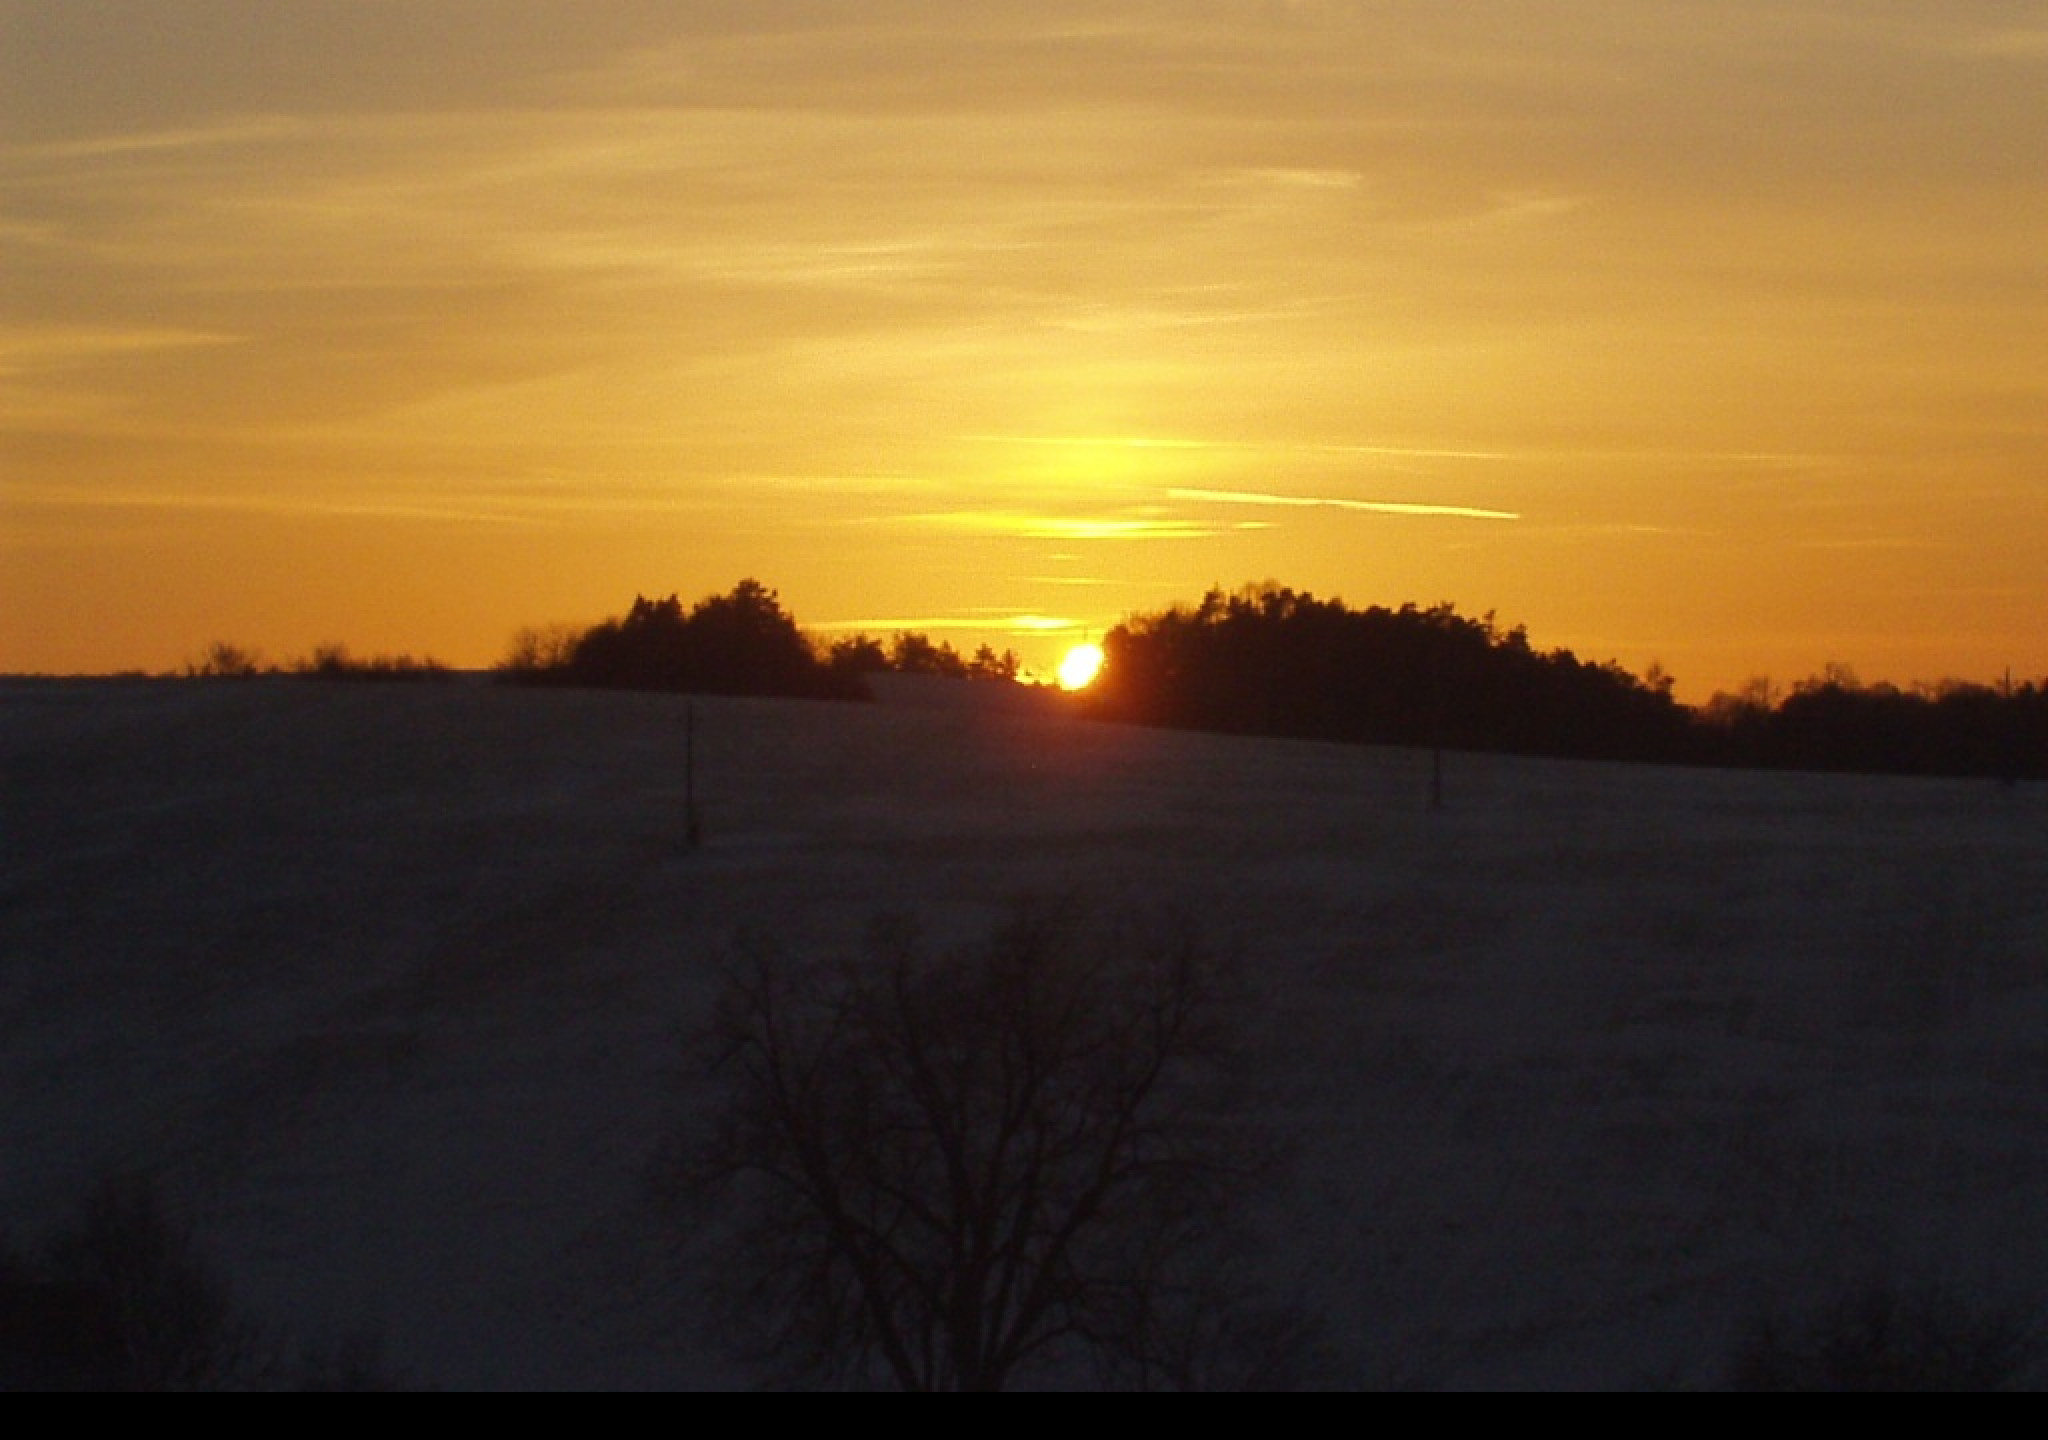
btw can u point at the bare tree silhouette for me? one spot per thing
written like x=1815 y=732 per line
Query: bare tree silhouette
x=1012 y=1161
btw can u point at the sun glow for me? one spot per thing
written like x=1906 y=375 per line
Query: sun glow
x=1082 y=665
x=937 y=310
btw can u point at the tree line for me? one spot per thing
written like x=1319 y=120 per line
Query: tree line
x=740 y=643
x=1270 y=660
x=224 y=661
x=1832 y=722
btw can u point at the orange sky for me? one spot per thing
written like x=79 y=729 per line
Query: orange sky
x=1709 y=334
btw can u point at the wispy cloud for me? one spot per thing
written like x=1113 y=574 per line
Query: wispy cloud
x=1615 y=529
x=157 y=142
x=2014 y=43
x=1243 y=447
x=1318 y=502
x=1877 y=544
x=978 y=621
x=1291 y=179
x=1073 y=528
x=27 y=346
x=436 y=509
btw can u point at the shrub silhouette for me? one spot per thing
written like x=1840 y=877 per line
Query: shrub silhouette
x=334 y=662
x=539 y=654
x=121 y=1301
x=225 y=661
x=1009 y=1162
x=1889 y=1337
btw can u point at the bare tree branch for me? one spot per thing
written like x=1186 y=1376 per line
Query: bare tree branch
x=961 y=1170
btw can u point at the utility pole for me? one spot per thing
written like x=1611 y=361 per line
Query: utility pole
x=693 y=830
x=2012 y=728
x=1436 y=730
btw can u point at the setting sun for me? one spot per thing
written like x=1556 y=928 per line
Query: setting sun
x=1079 y=669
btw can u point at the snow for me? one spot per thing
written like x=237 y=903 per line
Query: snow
x=391 y=987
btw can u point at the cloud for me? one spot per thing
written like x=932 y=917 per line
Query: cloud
x=1239 y=447
x=251 y=131
x=429 y=508
x=31 y=347
x=976 y=620
x=1877 y=544
x=1026 y=525
x=2014 y=43
x=1314 y=502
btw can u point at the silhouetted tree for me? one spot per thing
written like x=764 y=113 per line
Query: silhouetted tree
x=745 y=643
x=739 y=643
x=988 y=665
x=1833 y=722
x=1012 y=1160
x=646 y=649
x=1270 y=660
x=858 y=656
x=914 y=654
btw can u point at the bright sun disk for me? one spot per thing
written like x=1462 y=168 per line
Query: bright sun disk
x=1082 y=664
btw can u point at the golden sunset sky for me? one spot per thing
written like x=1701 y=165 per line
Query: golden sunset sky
x=1714 y=334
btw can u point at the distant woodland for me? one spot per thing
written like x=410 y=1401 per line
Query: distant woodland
x=1270 y=660
x=740 y=643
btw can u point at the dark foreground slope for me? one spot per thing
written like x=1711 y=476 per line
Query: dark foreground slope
x=388 y=989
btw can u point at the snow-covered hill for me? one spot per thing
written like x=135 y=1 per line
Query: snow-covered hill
x=390 y=988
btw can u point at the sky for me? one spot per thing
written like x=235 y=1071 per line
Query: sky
x=1711 y=335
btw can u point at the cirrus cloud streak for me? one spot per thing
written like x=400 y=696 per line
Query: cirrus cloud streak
x=1318 y=502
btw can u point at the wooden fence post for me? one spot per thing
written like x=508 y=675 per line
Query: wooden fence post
x=693 y=829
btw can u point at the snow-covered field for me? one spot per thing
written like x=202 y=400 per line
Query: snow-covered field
x=389 y=987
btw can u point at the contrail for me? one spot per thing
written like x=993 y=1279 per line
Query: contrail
x=1311 y=502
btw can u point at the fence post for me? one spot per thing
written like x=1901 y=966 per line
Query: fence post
x=693 y=829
